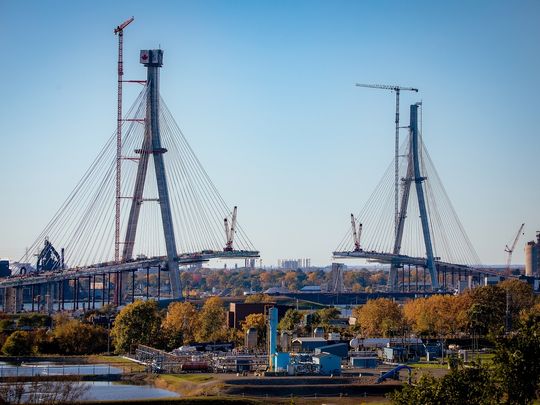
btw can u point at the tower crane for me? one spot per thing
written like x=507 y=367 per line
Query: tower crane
x=397 y=90
x=356 y=235
x=229 y=232
x=120 y=32
x=510 y=249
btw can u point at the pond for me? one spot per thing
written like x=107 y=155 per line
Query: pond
x=103 y=390
x=38 y=392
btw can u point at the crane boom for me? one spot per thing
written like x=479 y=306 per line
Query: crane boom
x=386 y=87
x=510 y=250
x=123 y=25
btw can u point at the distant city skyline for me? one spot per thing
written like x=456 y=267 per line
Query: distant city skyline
x=266 y=90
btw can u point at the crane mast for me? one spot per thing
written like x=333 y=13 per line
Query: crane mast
x=120 y=32
x=510 y=250
x=397 y=90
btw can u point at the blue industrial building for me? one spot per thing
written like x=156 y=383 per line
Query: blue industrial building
x=328 y=363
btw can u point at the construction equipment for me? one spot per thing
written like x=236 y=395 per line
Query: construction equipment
x=356 y=235
x=120 y=32
x=397 y=90
x=229 y=232
x=510 y=250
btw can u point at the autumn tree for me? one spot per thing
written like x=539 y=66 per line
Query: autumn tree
x=212 y=325
x=19 y=343
x=75 y=337
x=438 y=315
x=137 y=323
x=180 y=324
x=379 y=317
x=257 y=321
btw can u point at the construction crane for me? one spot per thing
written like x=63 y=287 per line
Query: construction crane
x=397 y=90
x=510 y=250
x=229 y=232
x=356 y=235
x=120 y=32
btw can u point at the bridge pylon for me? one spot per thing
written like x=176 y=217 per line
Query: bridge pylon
x=152 y=146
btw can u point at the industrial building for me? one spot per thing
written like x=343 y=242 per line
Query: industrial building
x=532 y=257
x=239 y=311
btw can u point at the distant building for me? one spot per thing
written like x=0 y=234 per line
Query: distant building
x=328 y=363
x=294 y=264
x=532 y=257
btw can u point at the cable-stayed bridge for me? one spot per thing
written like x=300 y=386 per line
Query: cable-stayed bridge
x=171 y=214
x=425 y=244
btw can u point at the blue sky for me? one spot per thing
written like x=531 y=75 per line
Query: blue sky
x=264 y=92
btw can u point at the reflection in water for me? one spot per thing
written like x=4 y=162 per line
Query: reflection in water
x=102 y=390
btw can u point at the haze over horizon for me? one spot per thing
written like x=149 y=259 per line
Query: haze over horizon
x=264 y=92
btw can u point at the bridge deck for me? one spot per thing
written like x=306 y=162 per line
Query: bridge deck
x=389 y=258
x=111 y=267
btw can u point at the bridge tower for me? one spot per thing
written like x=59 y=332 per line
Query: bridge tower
x=414 y=175
x=153 y=60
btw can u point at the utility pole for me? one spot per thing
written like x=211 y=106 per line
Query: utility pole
x=397 y=90
x=120 y=32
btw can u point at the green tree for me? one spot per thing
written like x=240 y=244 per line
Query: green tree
x=137 y=323
x=471 y=386
x=328 y=314
x=487 y=310
x=516 y=362
x=19 y=343
x=180 y=324
x=212 y=321
x=291 y=320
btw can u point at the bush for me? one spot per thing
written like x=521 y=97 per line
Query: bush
x=74 y=337
x=19 y=343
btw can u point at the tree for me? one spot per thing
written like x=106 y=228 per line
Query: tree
x=379 y=317
x=487 y=311
x=516 y=362
x=520 y=298
x=212 y=321
x=254 y=298
x=19 y=343
x=180 y=324
x=471 y=386
x=74 y=337
x=327 y=314
x=291 y=320
x=257 y=321
x=137 y=323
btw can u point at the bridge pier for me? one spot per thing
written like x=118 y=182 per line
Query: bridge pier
x=13 y=299
x=133 y=286
x=147 y=282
